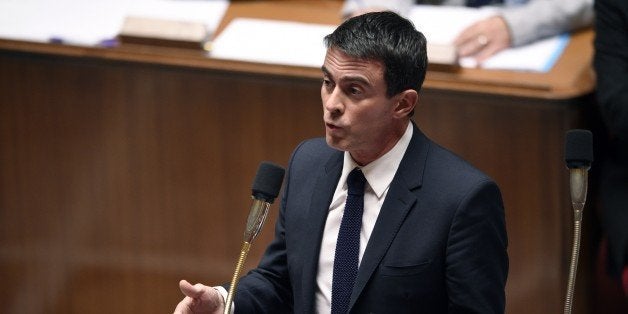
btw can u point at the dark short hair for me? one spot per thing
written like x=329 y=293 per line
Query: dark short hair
x=390 y=39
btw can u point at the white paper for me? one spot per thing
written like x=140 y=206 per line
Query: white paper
x=274 y=42
x=83 y=22
x=539 y=56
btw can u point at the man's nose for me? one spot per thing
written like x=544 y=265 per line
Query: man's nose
x=334 y=103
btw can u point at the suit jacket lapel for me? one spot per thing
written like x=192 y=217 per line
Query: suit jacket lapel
x=398 y=203
x=319 y=208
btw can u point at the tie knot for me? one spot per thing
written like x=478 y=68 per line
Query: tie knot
x=355 y=182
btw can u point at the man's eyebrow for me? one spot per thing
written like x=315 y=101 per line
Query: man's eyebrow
x=349 y=78
x=356 y=78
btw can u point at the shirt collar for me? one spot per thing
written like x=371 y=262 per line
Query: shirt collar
x=380 y=172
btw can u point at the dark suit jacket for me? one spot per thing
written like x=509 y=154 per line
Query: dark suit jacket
x=438 y=246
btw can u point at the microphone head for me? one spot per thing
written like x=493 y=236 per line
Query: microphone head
x=268 y=181
x=578 y=148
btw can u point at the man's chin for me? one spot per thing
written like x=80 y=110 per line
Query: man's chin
x=335 y=143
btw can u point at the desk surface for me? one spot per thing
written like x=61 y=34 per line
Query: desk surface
x=571 y=76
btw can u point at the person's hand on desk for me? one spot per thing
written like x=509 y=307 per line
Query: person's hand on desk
x=199 y=299
x=483 y=39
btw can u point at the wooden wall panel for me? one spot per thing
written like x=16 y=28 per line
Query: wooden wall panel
x=119 y=179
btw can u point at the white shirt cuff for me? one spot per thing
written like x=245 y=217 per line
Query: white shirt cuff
x=224 y=293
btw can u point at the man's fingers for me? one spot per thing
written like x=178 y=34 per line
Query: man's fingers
x=486 y=53
x=189 y=290
x=199 y=298
x=483 y=38
x=184 y=306
x=472 y=47
x=471 y=40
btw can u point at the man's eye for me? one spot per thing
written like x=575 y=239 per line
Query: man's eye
x=355 y=91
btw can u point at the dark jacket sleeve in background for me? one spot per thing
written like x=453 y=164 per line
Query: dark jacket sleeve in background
x=611 y=66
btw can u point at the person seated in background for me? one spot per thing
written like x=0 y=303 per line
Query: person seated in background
x=516 y=23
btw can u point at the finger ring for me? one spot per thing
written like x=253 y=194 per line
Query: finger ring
x=482 y=40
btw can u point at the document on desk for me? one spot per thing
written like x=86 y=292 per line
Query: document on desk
x=441 y=25
x=281 y=42
x=272 y=41
x=81 y=22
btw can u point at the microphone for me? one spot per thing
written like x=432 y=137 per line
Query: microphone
x=266 y=186
x=578 y=157
x=265 y=189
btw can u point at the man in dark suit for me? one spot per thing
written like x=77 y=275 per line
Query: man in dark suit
x=430 y=233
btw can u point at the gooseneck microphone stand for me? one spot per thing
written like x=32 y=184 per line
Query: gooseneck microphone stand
x=254 y=224
x=578 y=180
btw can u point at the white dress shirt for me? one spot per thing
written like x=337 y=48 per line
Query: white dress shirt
x=379 y=174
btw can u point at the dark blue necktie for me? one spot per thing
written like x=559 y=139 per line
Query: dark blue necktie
x=348 y=244
x=479 y=3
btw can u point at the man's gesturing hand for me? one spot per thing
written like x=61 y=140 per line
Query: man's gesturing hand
x=199 y=298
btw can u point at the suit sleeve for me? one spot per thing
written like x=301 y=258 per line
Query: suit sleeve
x=477 y=260
x=538 y=19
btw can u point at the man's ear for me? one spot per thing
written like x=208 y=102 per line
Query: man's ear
x=408 y=100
